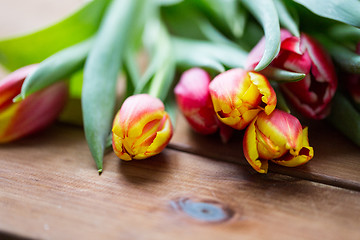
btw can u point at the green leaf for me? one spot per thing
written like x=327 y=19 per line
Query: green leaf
x=345 y=118
x=347 y=35
x=171 y=107
x=226 y=15
x=347 y=59
x=265 y=12
x=280 y=99
x=35 y=47
x=340 y=10
x=286 y=19
x=101 y=71
x=194 y=53
x=56 y=68
x=159 y=76
x=280 y=75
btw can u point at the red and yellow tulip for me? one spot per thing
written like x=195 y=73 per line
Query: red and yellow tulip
x=141 y=128
x=278 y=137
x=239 y=95
x=32 y=114
x=312 y=95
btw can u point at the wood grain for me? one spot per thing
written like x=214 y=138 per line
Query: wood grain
x=336 y=161
x=50 y=189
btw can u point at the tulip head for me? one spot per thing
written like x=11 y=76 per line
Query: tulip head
x=33 y=113
x=194 y=101
x=238 y=96
x=278 y=137
x=141 y=128
x=312 y=95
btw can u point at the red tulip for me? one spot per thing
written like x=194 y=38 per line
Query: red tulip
x=33 y=113
x=194 y=101
x=312 y=95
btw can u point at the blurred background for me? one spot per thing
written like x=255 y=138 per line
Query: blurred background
x=19 y=17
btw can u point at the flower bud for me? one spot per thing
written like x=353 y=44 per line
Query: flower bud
x=278 y=137
x=194 y=101
x=312 y=95
x=238 y=96
x=34 y=113
x=141 y=128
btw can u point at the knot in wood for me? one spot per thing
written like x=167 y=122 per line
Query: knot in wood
x=206 y=211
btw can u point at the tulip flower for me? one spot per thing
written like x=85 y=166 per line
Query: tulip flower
x=33 y=113
x=193 y=98
x=239 y=95
x=312 y=95
x=194 y=101
x=278 y=137
x=141 y=128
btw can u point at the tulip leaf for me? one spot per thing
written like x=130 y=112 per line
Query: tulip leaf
x=340 y=10
x=345 y=117
x=158 y=46
x=195 y=53
x=101 y=71
x=347 y=59
x=171 y=107
x=225 y=14
x=345 y=34
x=265 y=12
x=35 y=47
x=280 y=75
x=280 y=99
x=56 y=67
x=286 y=19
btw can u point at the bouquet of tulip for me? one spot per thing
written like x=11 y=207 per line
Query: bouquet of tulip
x=243 y=64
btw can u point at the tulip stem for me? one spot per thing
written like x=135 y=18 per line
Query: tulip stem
x=281 y=102
x=345 y=118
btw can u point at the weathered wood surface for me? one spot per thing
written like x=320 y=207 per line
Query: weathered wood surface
x=49 y=189
x=336 y=160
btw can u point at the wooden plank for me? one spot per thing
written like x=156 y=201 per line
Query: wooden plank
x=336 y=161
x=50 y=189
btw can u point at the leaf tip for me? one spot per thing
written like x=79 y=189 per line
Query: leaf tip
x=18 y=98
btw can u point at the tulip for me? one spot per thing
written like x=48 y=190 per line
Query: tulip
x=312 y=95
x=278 y=137
x=141 y=128
x=239 y=95
x=194 y=101
x=32 y=114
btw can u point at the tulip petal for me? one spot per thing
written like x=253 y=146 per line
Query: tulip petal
x=281 y=128
x=238 y=96
x=305 y=154
x=250 y=150
x=11 y=85
x=264 y=87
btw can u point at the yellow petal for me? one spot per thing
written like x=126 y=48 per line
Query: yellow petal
x=305 y=154
x=250 y=149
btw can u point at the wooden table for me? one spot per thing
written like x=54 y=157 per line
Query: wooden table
x=197 y=188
